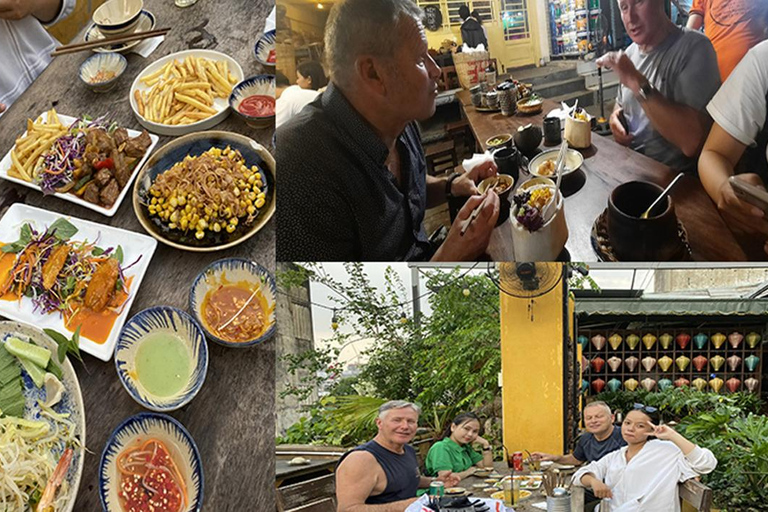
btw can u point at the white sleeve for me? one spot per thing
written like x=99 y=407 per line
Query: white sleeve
x=67 y=6
x=700 y=461
x=598 y=468
x=739 y=106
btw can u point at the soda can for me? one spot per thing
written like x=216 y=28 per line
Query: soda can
x=517 y=461
x=437 y=489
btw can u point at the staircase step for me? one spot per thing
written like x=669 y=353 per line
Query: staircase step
x=586 y=98
x=544 y=74
x=549 y=89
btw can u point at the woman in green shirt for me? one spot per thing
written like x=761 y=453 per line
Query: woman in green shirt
x=454 y=452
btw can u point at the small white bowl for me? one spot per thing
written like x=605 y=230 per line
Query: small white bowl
x=107 y=62
x=117 y=16
x=259 y=85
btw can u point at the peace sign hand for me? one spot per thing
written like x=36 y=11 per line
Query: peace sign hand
x=664 y=432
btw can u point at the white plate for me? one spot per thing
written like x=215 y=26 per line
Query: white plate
x=5 y=165
x=221 y=105
x=573 y=161
x=133 y=244
x=146 y=23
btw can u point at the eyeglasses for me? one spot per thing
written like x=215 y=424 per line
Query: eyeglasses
x=645 y=408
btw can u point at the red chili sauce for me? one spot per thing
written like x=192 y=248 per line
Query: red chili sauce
x=272 y=58
x=257 y=106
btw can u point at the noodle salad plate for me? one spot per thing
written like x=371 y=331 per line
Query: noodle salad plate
x=71 y=275
x=42 y=427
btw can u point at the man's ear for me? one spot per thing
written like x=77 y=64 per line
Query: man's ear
x=369 y=72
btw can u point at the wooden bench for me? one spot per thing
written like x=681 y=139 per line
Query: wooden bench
x=316 y=495
x=440 y=157
x=692 y=492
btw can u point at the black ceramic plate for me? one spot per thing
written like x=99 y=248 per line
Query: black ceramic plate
x=196 y=144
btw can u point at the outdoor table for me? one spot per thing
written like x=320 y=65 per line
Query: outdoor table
x=316 y=467
x=606 y=165
x=232 y=417
x=525 y=505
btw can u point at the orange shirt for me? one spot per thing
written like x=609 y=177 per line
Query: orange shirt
x=729 y=25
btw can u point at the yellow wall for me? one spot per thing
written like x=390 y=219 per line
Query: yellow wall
x=532 y=371
x=66 y=30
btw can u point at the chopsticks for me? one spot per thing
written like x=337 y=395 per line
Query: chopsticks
x=79 y=47
x=479 y=207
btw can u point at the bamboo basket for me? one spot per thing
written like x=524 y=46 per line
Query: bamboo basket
x=470 y=67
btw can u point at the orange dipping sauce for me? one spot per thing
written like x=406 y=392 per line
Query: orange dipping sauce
x=235 y=312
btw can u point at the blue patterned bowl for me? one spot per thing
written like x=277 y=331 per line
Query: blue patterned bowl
x=234 y=270
x=173 y=435
x=264 y=45
x=71 y=404
x=154 y=320
x=107 y=62
x=261 y=85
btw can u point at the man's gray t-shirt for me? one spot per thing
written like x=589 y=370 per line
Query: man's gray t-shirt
x=683 y=68
x=589 y=449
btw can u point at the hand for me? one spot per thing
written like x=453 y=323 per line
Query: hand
x=2 y=107
x=628 y=74
x=15 y=10
x=448 y=478
x=601 y=490
x=475 y=240
x=742 y=216
x=617 y=128
x=482 y=442
x=466 y=184
x=543 y=456
x=664 y=432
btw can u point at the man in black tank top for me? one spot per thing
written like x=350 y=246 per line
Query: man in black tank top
x=382 y=475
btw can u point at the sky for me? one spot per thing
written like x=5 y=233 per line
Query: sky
x=321 y=317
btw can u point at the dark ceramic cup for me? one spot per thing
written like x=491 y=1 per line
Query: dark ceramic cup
x=508 y=162
x=552 y=133
x=636 y=239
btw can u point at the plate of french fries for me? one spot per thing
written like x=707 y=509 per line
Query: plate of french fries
x=18 y=165
x=185 y=91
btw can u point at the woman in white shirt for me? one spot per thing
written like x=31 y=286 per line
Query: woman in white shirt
x=643 y=476
x=25 y=45
x=310 y=82
x=737 y=142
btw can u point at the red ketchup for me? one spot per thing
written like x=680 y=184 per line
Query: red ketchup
x=272 y=58
x=257 y=106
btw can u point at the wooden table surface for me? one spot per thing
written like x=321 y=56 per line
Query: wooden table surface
x=606 y=165
x=232 y=417
x=321 y=466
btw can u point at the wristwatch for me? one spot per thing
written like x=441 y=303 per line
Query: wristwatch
x=487 y=449
x=449 y=184
x=645 y=92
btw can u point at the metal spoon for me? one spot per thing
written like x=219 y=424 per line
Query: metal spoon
x=647 y=212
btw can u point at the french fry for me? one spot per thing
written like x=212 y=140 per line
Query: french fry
x=139 y=102
x=194 y=103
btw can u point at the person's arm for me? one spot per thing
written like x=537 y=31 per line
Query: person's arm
x=44 y=10
x=463 y=185
x=355 y=481
x=599 y=489
x=700 y=459
x=568 y=458
x=695 y=21
x=682 y=125
x=618 y=129
x=473 y=243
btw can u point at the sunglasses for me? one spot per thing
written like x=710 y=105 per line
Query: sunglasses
x=645 y=408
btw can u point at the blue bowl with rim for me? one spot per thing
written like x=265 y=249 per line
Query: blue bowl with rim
x=102 y=62
x=264 y=45
x=181 y=446
x=154 y=320
x=233 y=270
x=260 y=85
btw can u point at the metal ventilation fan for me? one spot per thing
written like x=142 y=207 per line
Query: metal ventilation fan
x=529 y=280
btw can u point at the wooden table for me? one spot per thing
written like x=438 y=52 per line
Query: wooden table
x=606 y=165
x=316 y=467
x=232 y=418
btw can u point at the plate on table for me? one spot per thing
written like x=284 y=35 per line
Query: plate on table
x=573 y=162
x=455 y=490
x=102 y=329
x=217 y=111
x=159 y=174
x=6 y=163
x=70 y=431
x=146 y=22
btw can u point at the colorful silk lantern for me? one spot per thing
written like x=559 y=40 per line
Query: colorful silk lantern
x=649 y=340
x=751 y=384
x=665 y=340
x=682 y=382
x=716 y=362
x=648 y=384
x=718 y=339
x=735 y=339
x=648 y=363
x=598 y=341
x=615 y=341
x=700 y=340
x=598 y=385
x=597 y=364
x=733 y=384
x=664 y=384
x=753 y=339
x=751 y=362
x=614 y=384
x=699 y=362
x=682 y=362
x=716 y=384
x=584 y=386
x=699 y=384
x=630 y=384
x=631 y=363
x=583 y=340
x=632 y=341
x=665 y=362
x=682 y=340
x=584 y=363
x=733 y=362
x=614 y=363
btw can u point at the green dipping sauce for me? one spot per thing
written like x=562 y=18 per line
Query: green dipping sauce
x=162 y=364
